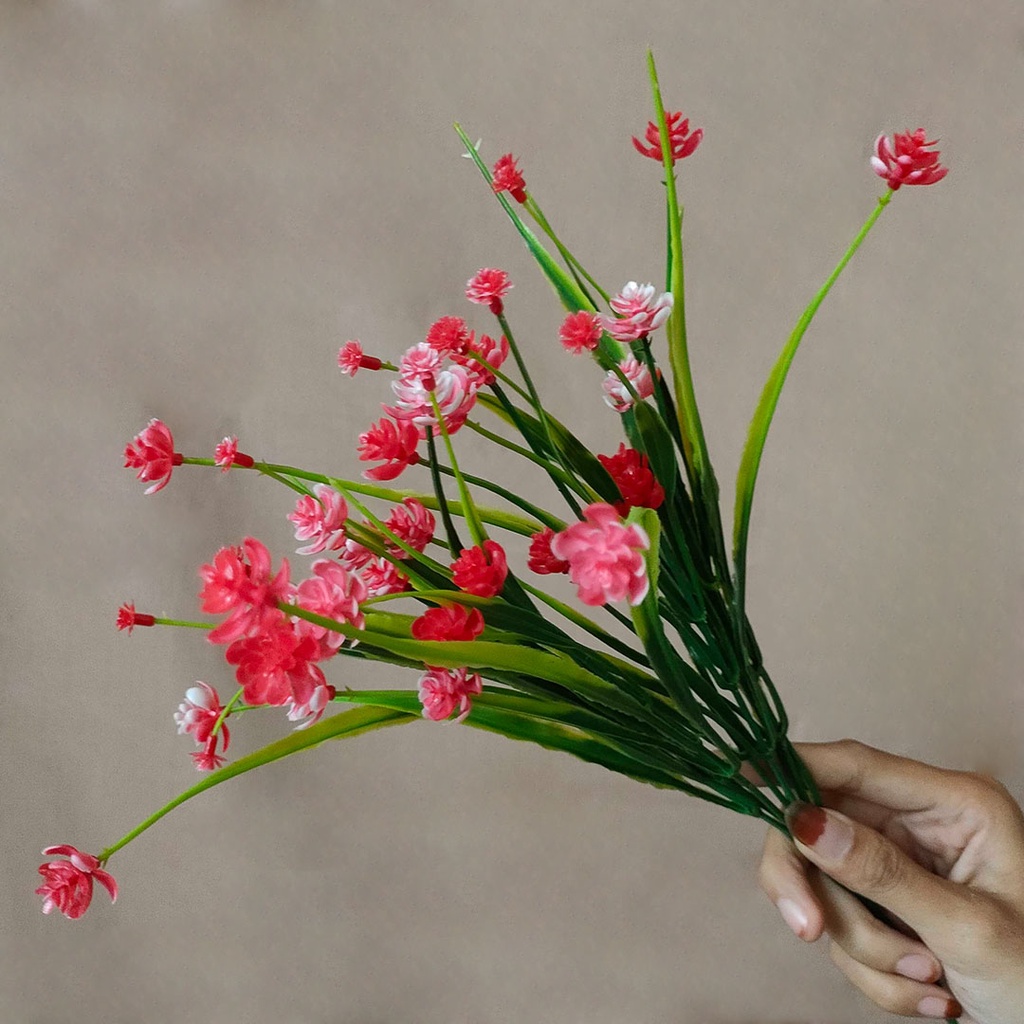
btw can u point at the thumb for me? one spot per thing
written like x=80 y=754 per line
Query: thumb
x=867 y=863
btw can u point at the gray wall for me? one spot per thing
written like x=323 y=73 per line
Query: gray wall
x=203 y=200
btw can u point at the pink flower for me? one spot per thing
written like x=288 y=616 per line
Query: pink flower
x=907 y=161
x=226 y=455
x=354 y=556
x=311 y=708
x=633 y=477
x=412 y=523
x=488 y=287
x=443 y=689
x=481 y=570
x=681 y=140
x=507 y=178
x=540 y=558
x=419 y=361
x=394 y=443
x=241 y=581
x=382 y=576
x=152 y=454
x=67 y=884
x=320 y=519
x=449 y=622
x=198 y=714
x=604 y=556
x=335 y=593
x=453 y=389
x=639 y=312
x=617 y=395
x=580 y=332
x=128 y=618
x=276 y=665
x=351 y=359
x=449 y=335
x=483 y=355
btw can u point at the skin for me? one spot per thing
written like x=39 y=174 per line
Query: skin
x=942 y=852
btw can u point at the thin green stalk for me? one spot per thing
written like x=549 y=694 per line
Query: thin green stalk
x=454 y=544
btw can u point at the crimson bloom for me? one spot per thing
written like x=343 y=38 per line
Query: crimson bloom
x=482 y=356
x=67 y=884
x=488 y=287
x=508 y=178
x=197 y=714
x=481 y=570
x=633 y=476
x=449 y=335
x=907 y=161
x=681 y=140
x=393 y=442
x=276 y=665
x=449 y=622
x=152 y=453
x=580 y=332
x=351 y=359
x=604 y=556
x=226 y=455
x=413 y=524
x=128 y=618
x=382 y=576
x=540 y=559
x=442 y=690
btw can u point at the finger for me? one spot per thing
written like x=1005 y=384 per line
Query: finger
x=897 y=995
x=783 y=878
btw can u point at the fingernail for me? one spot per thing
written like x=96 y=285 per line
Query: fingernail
x=939 y=1006
x=918 y=966
x=830 y=836
x=793 y=915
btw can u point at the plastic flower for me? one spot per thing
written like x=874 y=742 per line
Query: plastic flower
x=632 y=475
x=907 y=161
x=508 y=178
x=67 y=884
x=392 y=442
x=226 y=455
x=442 y=690
x=449 y=335
x=152 y=453
x=681 y=140
x=481 y=570
x=617 y=395
x=453 y=389
x=604 y=556
x=351 y=359
x=412 y=523
x=580 y=332
x=639 y=312
x=197 y=714
x=128 y=618
x=420 y=360
x=335 y=593
x=449 y=622
x=276 y=665
x=382 y=576
x=540 y=559
x=320 y=519
x=311 y=708
x=481 y=357
x=488 y=287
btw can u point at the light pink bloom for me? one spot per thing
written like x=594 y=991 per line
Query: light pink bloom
x=152 y=454
x=419 y=361
x=198 y=714
x=412 y=523
x=320 y=519
x=442 y=690
x=335 y=593
x=508 y=178
x=351 y=359
x=454 y=390
x=493 y=353
x=907 y=161
x=449 y=335
x=616 y=393
x=354 y=556
x=383 y=577
x=128 y=618
x=67 y=884
x=276 y=665
x=394 y=443
x=580 y=332
x=639 y=312
x=604 y=556
x=226 y=455
x=311 y=709
x=681 y=140
x=488 y=287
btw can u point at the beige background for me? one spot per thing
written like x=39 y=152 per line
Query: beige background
x=202 y=200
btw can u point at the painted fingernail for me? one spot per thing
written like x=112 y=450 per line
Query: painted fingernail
x=939 y=1006
x=918 y=966
x=793 y=914
x=829 y=836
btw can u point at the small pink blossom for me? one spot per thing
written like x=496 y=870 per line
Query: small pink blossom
x=152 y=453
x=276 y=665
x=392 y=442
x=128 y=618
x=907 y=161
x=226 y=455
x=540 y=558
x=419 y=361
x=351 y=359
x=67 y=884
x=353 y=555
x=508 y=178
x=604 y=556
x=488 y=287
x=442 y=690
x=335 y=593
x=311 y=709
x=382 y=576
x=580 y=332
x=483 y=355
x=413 y=524
x=453 y=389
x=449 y=335
x=681 y=140
x=617 y=395
x=320 y=518
x=639 y=312
x=481 y=570
x=197 y=715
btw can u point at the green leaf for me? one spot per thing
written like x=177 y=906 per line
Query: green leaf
x=657 y=443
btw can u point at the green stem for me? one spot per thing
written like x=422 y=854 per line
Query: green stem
x=533 y=208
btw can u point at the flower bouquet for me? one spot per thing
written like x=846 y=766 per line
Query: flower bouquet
x=654 y=673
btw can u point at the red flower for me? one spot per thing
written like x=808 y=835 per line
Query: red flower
x=507 y=178
x=449 y=335
x=276 y=665
x=226 y=455
x=580 y=332
x=481 y=570
x=382 y=576
x=483 y=355
x=67 y=884
x=412 y=523
x=197 y=714
x=682 y=141
x=152 y=454
x=632 y=475
x=394 y=443
x=128 y=618
x=540 y=558
x=351 y=359
x=488 y=287
x=443 y=689
x=335 y=593
x=449 y=622
x=907 y=161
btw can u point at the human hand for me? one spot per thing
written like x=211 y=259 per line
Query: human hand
x=942 y=851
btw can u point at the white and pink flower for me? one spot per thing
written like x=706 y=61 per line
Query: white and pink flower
x=640 y=312
x=442 y=690
x=617 y=395
x=320 y=518
x=335 y=593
